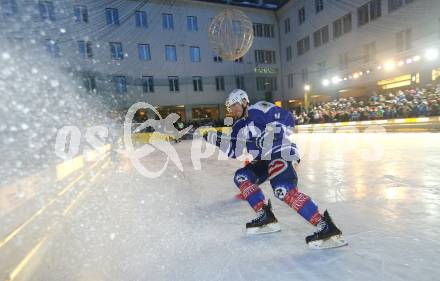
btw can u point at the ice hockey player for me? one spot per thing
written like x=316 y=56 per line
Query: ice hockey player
x=254 y=124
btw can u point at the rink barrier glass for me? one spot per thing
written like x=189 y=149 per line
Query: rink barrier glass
x=418 y=120
x=155 y=136
x=29 y=190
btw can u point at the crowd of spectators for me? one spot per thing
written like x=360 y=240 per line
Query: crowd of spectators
x=418 y=102
x=401 y=104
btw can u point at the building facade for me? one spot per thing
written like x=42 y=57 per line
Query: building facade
x=151 y=51
x=357 y=47
x=157 y=51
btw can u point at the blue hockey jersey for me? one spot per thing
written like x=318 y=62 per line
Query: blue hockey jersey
x=263 y=132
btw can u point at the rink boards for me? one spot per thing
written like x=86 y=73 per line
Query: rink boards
x=420 y=124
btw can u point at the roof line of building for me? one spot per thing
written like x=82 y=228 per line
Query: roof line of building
x=262 y=5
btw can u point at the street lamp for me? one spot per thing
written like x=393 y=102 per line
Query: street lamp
x=389 y=65
x=431 y=54
x=336 y=80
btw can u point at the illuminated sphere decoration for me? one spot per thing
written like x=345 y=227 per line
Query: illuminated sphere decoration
x=231 y=34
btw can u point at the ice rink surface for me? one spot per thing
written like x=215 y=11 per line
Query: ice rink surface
x=383 y=191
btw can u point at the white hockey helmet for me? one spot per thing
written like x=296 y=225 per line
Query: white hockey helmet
x=236 y=96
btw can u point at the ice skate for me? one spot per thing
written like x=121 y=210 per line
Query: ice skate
x=326 y=236
x=264 y=223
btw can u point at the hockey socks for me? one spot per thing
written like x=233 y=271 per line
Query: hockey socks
x=303 y=205
x=253 y=194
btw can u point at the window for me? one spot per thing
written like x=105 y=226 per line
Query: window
x=289 y=53
x=337 y=28
x=120 y=84
x=116 y=51
x=144 y=52
x=342 y=26
x=89 y=83
x=268 y=31
x=148 y=84
x=305 y=75
x=317 y=39
x=260 y=83
x=319 y=5
x=258 y=29
x=112 y=16
x=265 y=56
x=220 y=83
x=81 y=14
x=266 y=83
x=85 y=49
x=301 y=15
x=239 y=60
x=344 y=60
x=363 y=15
x=369 y=52
x=321 y=36
x=239 y=82
x=191 y=22
x=369 y=12
x=53 y=48
x=217 y=58
x=303 y=46
x=197 y=84
x=47 y=10
x=9 y=7
x=194 y=53
x=287 y=25
x=394 y=5
x=346 y=21
x=263 y=30
x=290 y=81
x=141 y=19
x=170 y=53
x=403 y=40
x=236 y=26
x=375 y=9
x=167 y=21
x=173 y=82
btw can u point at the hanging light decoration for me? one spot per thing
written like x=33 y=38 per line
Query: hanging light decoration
x=231 y=34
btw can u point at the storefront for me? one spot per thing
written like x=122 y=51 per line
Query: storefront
x=164 y=111
x=226 y=113
x=206 y=112
x=400 y=82
x=319 y=98
x=353 y=92
x=436 y=75
x=295 y=105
